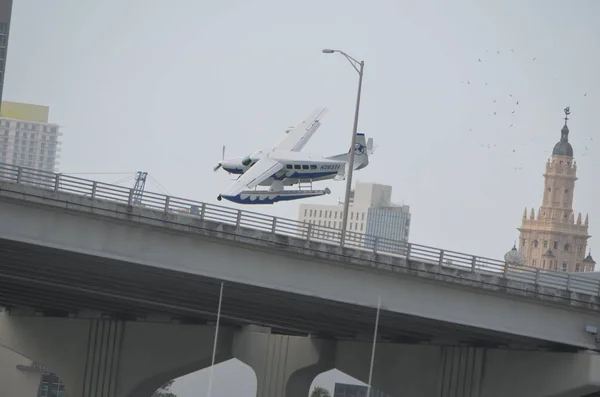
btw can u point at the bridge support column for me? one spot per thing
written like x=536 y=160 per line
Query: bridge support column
x=109 y=358
x=540 y=374
x=400 y=370
x=434 y=371
x=285 y=366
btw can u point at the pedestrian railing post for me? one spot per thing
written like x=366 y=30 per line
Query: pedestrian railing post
x=202 y=211
x=375 y=244
x=56 y=182
x=473 y=264
x=94 y=188
x=238 y=220
x=274 y=225
x=19 y=174
x=167 y=203
x=441 y=259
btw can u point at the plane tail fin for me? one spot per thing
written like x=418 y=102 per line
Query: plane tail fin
x=362 y=149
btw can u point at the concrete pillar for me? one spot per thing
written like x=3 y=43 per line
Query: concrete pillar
x=285 y=366
x=540 y=374
x=400 y=370
x=109 y=358
x=434 y=371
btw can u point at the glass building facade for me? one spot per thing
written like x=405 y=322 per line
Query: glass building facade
x=5 y=14
x=346 y=390
x=391 y=223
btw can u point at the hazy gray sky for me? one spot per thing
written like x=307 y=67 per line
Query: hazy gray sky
x=160 y=86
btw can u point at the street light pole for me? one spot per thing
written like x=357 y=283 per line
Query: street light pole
x=359 y=67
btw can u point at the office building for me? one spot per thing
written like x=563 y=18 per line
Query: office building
x=346 y=390
x=554 y=238
x=51 y=386
x=5 y=14
x=27 y=139
x=371 y=212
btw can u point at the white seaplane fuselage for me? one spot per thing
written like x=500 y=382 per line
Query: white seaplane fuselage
x=299 y=167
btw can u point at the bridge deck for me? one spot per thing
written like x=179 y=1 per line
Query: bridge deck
x=63 y=282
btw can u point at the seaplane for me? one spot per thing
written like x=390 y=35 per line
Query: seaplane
x=286 y=165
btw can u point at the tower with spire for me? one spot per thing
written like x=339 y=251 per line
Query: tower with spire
x=554 y=238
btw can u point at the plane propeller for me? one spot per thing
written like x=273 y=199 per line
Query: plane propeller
x=220 y=163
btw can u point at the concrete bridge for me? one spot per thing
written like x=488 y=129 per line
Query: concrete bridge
x=118 y=296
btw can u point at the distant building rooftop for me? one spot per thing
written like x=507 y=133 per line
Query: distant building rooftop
x=24 y=111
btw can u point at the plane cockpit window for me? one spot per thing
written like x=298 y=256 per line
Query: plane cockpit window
x=297 y=167
x=313 y=167
x=246 y=161
x=289 y=166
x=305 y=167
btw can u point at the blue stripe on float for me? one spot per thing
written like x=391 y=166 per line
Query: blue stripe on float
x=269 y=200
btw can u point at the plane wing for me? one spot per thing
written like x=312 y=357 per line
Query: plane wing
x=261 y=170
x=295 y=140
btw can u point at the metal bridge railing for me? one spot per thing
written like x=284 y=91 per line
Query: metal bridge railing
x=288 y=227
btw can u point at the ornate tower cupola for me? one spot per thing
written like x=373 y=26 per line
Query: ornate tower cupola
x=589 y=261
x=563 y=147
x=560 y=177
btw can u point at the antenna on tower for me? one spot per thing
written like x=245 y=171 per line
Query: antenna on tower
x=140 y=184
x=567 y=113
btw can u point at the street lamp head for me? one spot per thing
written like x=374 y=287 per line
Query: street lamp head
x=328 y=51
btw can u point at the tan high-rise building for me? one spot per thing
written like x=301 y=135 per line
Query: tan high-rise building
x=554 y=238
x=27 y=139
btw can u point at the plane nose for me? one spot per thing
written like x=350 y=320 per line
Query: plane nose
x=230 y=165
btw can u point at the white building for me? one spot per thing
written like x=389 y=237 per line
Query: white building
x=371 y=212
x=27 y=139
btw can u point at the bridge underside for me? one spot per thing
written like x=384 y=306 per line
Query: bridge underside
x=64 y=283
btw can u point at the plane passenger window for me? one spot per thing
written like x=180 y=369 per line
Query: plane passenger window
x=296 y=166
x=305 y=167
x=289 y=166
x=313 y=167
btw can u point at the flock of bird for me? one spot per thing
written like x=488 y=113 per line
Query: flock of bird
x=509 y=108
